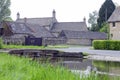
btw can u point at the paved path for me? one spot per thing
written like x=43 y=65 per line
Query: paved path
x=91 y=51
x=108 y=55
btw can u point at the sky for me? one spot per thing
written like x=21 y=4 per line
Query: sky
x=66 y=10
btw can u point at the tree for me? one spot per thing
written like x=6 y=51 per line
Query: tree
x=4 y=10
x=105 y=28
x=105 y=12
x=93 y=21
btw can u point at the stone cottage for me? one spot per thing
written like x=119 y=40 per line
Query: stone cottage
x=50 y=30
x=114 y=24
x=14 y=32
x=53 y=25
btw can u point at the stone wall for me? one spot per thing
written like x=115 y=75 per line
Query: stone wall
x=115 y=31
x=85 y=42
x=53 y=41
x=14 y=40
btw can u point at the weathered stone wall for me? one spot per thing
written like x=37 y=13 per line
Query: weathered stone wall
x=85 y=42
x=53 y=41
x=10 y=40
x=115 y=31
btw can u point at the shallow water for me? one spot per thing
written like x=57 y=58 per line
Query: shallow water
x=86 y=65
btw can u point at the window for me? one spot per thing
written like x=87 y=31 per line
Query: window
x=113 y=24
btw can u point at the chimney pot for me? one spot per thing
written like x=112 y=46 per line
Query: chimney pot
x=18 y=15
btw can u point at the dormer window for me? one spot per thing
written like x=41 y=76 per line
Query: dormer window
x=113 y=24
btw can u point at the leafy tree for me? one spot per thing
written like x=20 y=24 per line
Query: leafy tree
x=105 y=28
x=93 y=21
x=105 y=12
x=4 y=10
x=94 y=27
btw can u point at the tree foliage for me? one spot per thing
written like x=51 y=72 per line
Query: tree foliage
x=105 y=12
x=94 y=27
x=93 y=21
x=4 y=10
x=93 y=17
x=105 y=28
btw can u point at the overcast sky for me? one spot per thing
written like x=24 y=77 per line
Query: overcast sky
x=66 y=10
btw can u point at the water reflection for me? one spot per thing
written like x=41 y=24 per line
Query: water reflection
x=86 y=65
x=111 y=67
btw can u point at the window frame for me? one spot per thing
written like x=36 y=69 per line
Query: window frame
x=114 y=24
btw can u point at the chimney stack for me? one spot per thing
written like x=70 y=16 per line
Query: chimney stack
x=84 y=19
x=54 y=14
x=18 y=15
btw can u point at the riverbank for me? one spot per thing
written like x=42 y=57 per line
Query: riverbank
x=14 y=68
x=107 y=55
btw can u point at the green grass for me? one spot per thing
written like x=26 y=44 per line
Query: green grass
x=32 y=47
x=15 y=68
x=20 y=68
x=21 y=47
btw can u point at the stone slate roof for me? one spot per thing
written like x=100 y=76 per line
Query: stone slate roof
x=18 y=28
x=39 y=31
x=115 y=17
x=31 y=29
x=83 y=35
x=73 y=26
x=46 y=21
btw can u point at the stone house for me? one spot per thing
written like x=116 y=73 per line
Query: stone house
x=114 y=24
x=50 y=30
x=53 y=25
x=14 y=32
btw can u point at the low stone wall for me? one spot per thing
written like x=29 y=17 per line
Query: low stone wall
x=53 y=41
x=8 y=40
x=84 y=42
x=45 y=41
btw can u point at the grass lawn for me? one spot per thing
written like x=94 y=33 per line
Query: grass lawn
x=16 y=68
x=33 y=47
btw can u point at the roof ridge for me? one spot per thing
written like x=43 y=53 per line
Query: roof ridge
x=35 y=18
x=72 y=22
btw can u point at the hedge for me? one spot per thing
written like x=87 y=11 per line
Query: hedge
x=106 y=44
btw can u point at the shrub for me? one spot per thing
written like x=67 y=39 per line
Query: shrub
x=1 y=43
x=106 y=44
